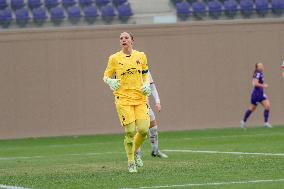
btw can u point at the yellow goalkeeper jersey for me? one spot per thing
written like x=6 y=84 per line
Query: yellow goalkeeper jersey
x=131 y=70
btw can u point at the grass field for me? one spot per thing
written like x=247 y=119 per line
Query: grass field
x=215 y=158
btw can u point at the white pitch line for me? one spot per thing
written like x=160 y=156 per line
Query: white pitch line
x=10 y=187
x=220 y=152
x=208 y=184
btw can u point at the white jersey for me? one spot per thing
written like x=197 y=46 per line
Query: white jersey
x=282 y=65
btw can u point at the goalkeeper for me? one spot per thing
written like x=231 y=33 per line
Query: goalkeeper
x=131 y=87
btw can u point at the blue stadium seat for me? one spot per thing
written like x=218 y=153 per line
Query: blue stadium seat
x=246 y=7
x=68 y=3
x=17 y=4
x=6 y=17
x=215 y=9
x=39 y=15
x=108 y=13
x=231 y=8
x=84 y=3
x=3 y=4
x=261 y=7
x=277 y=6
x=101 y=3
x=199 y=9
x=90 y=14
x=57 y=15
x=124 y=12
x=182 y=9
x=118 y=2
x=34 y=3
x=22 y=17
x=74 y=14
x=51 y=3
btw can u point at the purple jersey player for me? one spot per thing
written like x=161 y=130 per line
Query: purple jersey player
x=258 y=96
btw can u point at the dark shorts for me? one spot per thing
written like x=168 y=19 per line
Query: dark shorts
x=257 y=97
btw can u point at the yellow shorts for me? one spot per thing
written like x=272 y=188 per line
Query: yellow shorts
x=130 y=113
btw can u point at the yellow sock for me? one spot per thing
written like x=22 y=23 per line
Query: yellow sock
x=141 y=135
x=129 y=146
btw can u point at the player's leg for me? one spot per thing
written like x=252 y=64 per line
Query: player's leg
x=248 y=113
x=153 y=135
x=127 y=118
x=266 y=105
x=142 y=124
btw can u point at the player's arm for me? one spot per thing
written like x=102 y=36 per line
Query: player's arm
x=110 y=69
x=146 y=89
x=256 y=83
x=155 y=94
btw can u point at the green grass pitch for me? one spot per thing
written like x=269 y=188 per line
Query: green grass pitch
x=88 y=162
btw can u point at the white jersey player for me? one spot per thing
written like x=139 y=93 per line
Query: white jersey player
x=153 y=130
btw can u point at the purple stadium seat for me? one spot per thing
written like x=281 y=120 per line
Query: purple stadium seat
x=182 y=10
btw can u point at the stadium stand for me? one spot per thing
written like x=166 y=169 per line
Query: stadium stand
x=50 y=13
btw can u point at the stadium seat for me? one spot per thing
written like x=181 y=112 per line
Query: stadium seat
x=246 y=7
x=22 y=16
x=84 y=3
x=6 y=17
x=17 y=4
x=277 y=6
x=101 y=3
x=51 y=3
x=57 y=15
x=34 y=3
x=39 y=15
x=90 y=14
x=199 y=9
x=3 y=4
x=124 y=12
x=68 y=3
x=118 y=2
x=182 y=10
x=261 y=7
x=74 y=14
x=215 y=9
x=231 y=8
x=108 y=13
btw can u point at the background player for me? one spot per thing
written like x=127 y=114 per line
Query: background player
x=131 y=87
x=153 y=130
x=282 y=69
x=258 y=96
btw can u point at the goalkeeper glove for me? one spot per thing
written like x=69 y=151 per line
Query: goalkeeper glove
x=146 y=89
x=113 y=83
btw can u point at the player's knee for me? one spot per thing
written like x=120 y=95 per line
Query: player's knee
x=143 y=127
x=130 y=130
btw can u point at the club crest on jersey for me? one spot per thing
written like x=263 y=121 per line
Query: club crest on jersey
x=138 y=62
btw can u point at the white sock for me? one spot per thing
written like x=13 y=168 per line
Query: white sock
x=138 y=152
x=153 y=135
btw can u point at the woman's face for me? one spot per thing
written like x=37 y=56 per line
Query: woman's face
x=125 y=40
x=260 y=67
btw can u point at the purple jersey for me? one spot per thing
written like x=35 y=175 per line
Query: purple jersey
x=258 y=95
x=259 y=76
